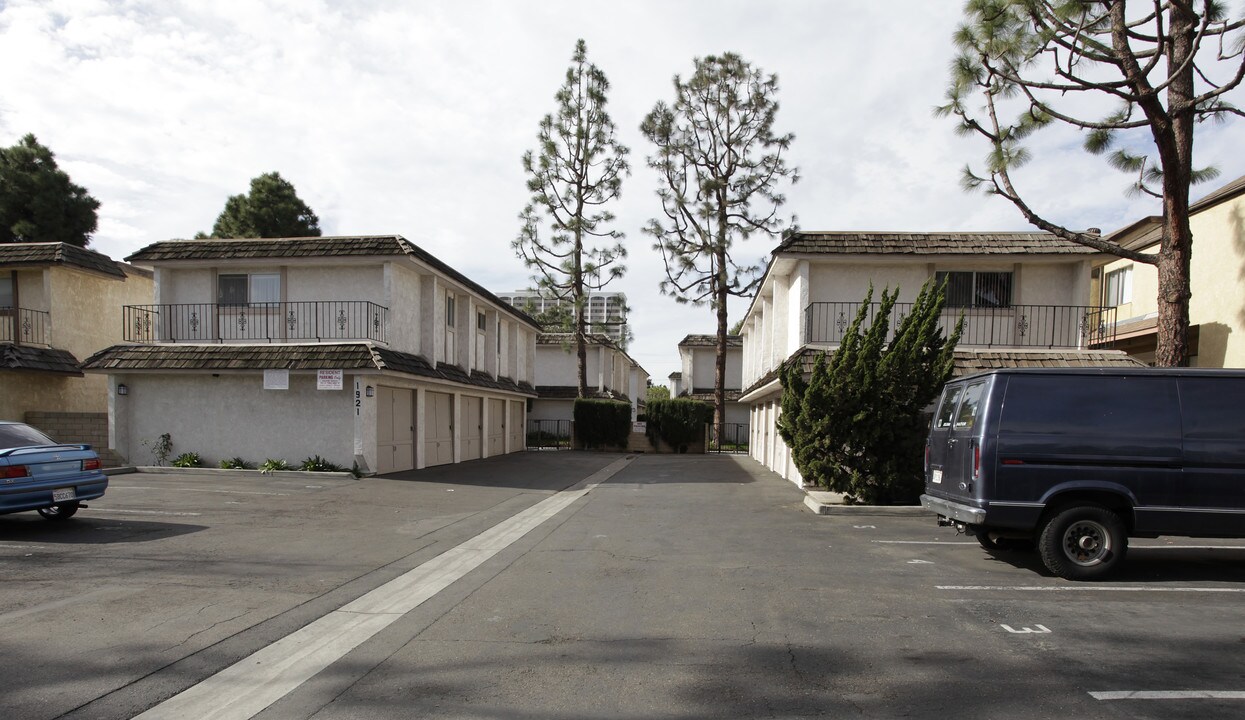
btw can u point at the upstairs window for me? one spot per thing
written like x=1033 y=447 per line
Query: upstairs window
x=1118 y=287
x=449 y=311
x=977 y=289
x=248 y=289
x=481 y=322
x=6 y=291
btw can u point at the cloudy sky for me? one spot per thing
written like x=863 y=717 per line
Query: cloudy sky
x=411 y=117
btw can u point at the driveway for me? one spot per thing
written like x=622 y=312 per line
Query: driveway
x=575 y=585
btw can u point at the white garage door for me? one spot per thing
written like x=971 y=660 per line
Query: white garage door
x=472 y=430
x=395 y=430
x=438 y=429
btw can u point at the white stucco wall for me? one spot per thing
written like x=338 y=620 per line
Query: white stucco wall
x=232 y=415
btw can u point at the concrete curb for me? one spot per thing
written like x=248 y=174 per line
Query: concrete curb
x=223 y=472
x=830 y=503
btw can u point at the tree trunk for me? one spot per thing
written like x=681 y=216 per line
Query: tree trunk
x=719 y=371
x=581 y=350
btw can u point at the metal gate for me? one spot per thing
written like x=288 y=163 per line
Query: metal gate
x=548 y=434
x=728 y=438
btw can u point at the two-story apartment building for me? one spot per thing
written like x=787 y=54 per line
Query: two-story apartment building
x=1024 y=297
x=60 y=303
x=698 y=357
x=1216 y=278
x=366 y=351
x=612 y=374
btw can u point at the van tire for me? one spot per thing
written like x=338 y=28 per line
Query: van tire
x=1083 y=542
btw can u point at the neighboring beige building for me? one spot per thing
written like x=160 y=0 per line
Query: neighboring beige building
x=363 y=350
x=698 y=356
x=1216 y=277
x=1024 y=298
x=60 y=303
x=612 y=375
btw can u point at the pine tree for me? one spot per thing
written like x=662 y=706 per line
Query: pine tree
x=720 y=163
x=38 y=201
x=272 y=209
x=577 y=171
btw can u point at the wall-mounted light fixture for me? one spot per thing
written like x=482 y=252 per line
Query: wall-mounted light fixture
x=122 y=389
x=370 y=391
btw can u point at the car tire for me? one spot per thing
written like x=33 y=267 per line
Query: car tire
x=59 y=513
x=1083 y=542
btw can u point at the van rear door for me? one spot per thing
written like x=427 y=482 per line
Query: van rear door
x=954 y=444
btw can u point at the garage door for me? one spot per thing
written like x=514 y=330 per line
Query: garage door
x=395 y=430
x=496 y=427
x=516 y=426
x=438 y=429
x=472 y=430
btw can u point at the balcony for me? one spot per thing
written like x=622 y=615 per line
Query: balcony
x=23 y=326
x=1018 y=326
x=324 y=321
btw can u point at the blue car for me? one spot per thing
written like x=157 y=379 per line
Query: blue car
x=36 y=473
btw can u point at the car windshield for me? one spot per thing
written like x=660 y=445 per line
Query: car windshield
x=18 y=435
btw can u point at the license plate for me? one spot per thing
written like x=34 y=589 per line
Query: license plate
x=936 y=477
x=62 y=495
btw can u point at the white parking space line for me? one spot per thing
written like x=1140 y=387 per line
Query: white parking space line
x=1169 y=695
x=101 y=510
x=1088 y=588
x=22 y=547
x=926 y=542
x=114 y=486
x=248 y=686
x=1186 y=547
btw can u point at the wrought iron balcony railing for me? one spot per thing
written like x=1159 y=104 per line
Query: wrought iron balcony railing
x=25 y=327
x=1018 y=326
x=256 y=322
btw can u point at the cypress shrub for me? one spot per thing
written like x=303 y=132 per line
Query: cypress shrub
x=602 y=423
x=856 y=426
x=680 y=422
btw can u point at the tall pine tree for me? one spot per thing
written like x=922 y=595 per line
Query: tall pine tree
x=577 y=170
x=38 y=201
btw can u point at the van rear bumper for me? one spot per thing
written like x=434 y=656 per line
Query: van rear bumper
x=956 y=511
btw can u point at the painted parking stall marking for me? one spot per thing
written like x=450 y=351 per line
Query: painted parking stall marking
x=1087 y=588
x=1035 y=630
x=245 y=688
x=1169 y=695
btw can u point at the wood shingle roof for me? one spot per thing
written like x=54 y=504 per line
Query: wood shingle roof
x=33 y=254
x=930 y=243
x=37 y=359
x=345 y=356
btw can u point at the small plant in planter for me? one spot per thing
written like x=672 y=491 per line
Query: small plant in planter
x=161 y=448
x=236 y=463
x=188 y=460
x=270 y=466
x=315 y=463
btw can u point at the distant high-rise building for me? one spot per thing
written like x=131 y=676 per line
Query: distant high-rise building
x=606 y=311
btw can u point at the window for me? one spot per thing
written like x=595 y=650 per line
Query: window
x=6 y=291
x=248 y=289
x=1141 y=410
x=946 y=410
x=967 y=416
x=1118 y=288
x=481 y=322
x=449 y=311
x=977 y=289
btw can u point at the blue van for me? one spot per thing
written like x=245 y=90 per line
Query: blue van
x=1077 y=460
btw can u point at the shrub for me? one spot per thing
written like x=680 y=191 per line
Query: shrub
x=856 y=426
x=236 y=463
x=161 y=448
x=270 y=465
x=315 y=463
x=680 y=422
x=188 y=460
x=602 y=423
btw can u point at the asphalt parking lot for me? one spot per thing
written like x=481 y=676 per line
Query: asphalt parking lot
x=635 y=587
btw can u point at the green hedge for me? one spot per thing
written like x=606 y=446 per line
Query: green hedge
x=680 y=422
x=602 y=423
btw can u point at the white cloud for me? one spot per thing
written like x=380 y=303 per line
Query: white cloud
x=410 y=118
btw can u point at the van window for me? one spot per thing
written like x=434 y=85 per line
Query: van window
x=967 y=416
x=1127 y=406
x=1214 y=408
x=946 y=410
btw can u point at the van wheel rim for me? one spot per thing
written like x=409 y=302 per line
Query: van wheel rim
x=1087 y=543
